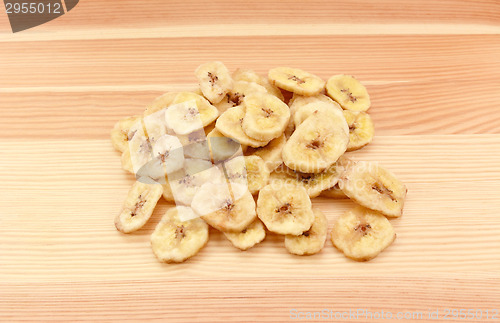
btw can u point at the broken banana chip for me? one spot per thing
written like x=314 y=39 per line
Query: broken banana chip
x=265 y=118
x=348 y=92
x=311 y=241
x=361 y=234
x=317 y=143
x=138 y=207
x=361 y=129
x=285 y=210
x=249 y=237
x=296 y=80
x=270 y=153
x=374 y=187
x=215 y=80
x=175 y=239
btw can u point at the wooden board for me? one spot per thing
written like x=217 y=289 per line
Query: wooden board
x=433 y=72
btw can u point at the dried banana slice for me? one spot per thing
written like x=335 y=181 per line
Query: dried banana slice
x=246 y=75
x=235 y=97
x=311 y=241
x=167 y=193
x=296 y=80
x=249 y=237
x=225 y=209
x=169 y=151
x=374 y=187
x=215 y=80
x=189 y=112
x=317 y=143
x=298 y=101
x=160 y=103
x=305 y=111
x=361 y=129
x=139 y=150
x=361 y=234
x=195 y=145
x=121 y=134
x=222 y=148
x=175 y=239
x=187 y=182
x=266 y=116
x=270 y=153
x=248 y=170
x=252 y=77
x=314 y=183
x=138 y=207
x=230 y=125
x=334 y=193
x=348 y=92
x=285 y=210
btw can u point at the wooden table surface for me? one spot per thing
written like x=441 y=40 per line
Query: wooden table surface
x=432 y=69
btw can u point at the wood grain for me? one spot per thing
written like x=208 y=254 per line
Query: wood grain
x=433 y=72
x=255 y=300
x=132 y=15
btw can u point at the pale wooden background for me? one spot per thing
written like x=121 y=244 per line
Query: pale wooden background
x=432 y=69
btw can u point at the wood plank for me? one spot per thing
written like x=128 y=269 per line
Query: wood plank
x=270 y=299
x=446 y=59
x=57 y=217
x=132 y=14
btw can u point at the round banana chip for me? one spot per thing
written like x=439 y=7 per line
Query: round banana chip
x=226 y=208
x=311 y=241
x=121 y=133
x=298 y=101
x=361 y=129
x=160 y=103
x=138 y=207
x=334 y=192
x=249 y=237
x=348 y=92
x=215 y=80
x=252 y=77
x=193 y=109
x=314 y=183
x=265 y=118
x=374 y=187
x=247 y=170
x=361 y=234
x=317 y=143
x=305 y=111
x=237 y=93
x=222 y=148
x=179 y=235
x=230 y=125
x=285 y=210
x=296 y=80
